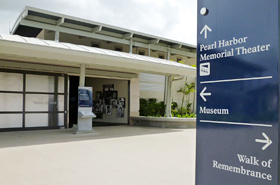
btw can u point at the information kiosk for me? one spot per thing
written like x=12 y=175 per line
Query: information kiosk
x=85 y=113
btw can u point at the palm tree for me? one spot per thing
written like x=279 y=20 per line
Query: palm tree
x=186 y=90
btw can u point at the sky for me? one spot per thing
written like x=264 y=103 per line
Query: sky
x=171 y=19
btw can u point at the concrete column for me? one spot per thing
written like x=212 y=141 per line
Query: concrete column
x=56 y=37
x=166 y=79
x=168 y=53
x=131 y=46
x=82 y=75
x=149 y=50
x=165 y=89
x=168 y=96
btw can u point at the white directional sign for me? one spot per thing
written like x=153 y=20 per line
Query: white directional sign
x=204 y=30
x=203 y=93
x=267 y=141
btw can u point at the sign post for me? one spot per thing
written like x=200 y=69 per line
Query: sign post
x=238 y=92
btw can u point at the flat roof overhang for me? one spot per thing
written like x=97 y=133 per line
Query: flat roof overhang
x=33 y=20
x=25 y=49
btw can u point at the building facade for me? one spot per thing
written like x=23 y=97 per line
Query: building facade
x=54 y=52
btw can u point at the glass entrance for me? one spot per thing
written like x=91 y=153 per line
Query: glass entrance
x=32 y=100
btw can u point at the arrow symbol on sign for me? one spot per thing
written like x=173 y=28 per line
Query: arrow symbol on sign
x=267 y=141
x=205 y=29
x=202 y=94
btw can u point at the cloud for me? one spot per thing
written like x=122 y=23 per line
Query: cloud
x=173 y=19
x=11 y=9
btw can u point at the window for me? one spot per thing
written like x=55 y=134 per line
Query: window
x=39 y=83
x=11 y=102
x=11 y=82
x=118 y=48
x=162 y=56
x=96 y=45
x=179 y=59
x=31 y=99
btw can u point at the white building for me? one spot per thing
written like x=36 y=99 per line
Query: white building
x=49 y=54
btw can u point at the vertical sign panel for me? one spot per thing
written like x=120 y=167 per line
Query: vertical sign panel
x=238 y=92
x=85 y=97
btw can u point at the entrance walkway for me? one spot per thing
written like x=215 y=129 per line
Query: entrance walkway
x=118 y=155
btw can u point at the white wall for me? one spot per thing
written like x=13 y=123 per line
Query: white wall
x=134 y=97
x=152 y=86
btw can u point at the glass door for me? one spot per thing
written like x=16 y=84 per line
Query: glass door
x=11 y=100
x=32 y=100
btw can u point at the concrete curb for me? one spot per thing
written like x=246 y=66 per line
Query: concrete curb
x=163 y=122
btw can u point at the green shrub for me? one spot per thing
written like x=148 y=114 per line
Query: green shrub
x=174 y=105
x=150 y=107
x=186 y=90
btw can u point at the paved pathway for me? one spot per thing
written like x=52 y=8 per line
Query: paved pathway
x=119 y=155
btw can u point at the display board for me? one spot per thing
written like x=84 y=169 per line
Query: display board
x=85 y=96
x=107 y=100
x=237 y=92
x=110 y=100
